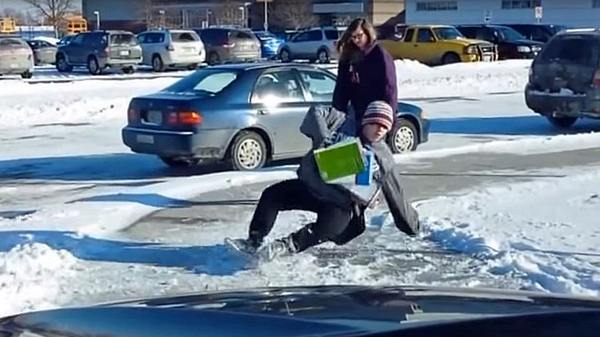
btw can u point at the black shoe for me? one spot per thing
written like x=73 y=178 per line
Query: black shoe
x=277 y=248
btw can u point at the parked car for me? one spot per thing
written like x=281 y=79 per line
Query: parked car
x=537 y=31
x=171 y=49
x=564 y=80
x=43 y=52
x=245 y=114
x=269 y=43
x=229 y=45
x=16 y=57
x=100 y=50
x=315 y=44
x=511 y=44
x=333 y=310
x=438 y=44
x=51 y=40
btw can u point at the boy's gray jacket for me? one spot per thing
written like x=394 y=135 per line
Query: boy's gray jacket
x=324 y=126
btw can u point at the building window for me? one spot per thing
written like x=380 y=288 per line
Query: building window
x=519 y=4
x=437 y=6
x=596 y=3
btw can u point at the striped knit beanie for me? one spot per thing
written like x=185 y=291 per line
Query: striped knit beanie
x=379 y=112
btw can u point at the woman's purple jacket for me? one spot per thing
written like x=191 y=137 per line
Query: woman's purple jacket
x=371 y=79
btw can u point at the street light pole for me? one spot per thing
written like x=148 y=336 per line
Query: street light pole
x=266 y=14
x=266 y=23
x=161 y=12
x=97 y=13
x=243 y=10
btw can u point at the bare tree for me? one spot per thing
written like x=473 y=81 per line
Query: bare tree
x=152 y=19
x=229 y=13
x=156 y=16
x=54 y=12
x=293 y=13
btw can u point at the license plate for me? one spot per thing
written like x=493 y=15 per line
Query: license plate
x=13 y=65
x=487 y=58
x=146 y=139
x=190 y=49
x=124 y=52
x=154 y=117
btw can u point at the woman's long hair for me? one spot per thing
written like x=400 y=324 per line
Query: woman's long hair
x=346 y=47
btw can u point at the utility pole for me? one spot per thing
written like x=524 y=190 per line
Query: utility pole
x=97 y=13
x=266 y=14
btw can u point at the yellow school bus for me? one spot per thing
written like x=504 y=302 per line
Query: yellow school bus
x=8 y=25
x=76 y=24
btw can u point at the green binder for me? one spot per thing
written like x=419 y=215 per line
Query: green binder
x=340 y=160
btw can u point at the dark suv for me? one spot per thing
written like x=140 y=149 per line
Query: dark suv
x=537 y=31
x=100 y=50
x=564 y=80
x=511 y=44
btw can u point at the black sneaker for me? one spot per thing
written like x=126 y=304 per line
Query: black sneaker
x=277 y=248
x=246 y=246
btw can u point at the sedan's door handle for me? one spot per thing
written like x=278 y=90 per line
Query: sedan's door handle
x=263 y=112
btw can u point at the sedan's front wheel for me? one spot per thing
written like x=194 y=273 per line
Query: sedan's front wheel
x=26 y=74
x=247 y=152
x=404 y=137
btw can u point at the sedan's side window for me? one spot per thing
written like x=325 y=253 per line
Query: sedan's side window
x=425 y=35
x=319 y=85
x=485 y=34
x=277 y=87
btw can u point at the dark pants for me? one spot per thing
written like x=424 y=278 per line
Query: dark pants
x=294 y=195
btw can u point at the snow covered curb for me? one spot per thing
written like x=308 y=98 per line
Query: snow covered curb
x=530 y=145
x=542 y=231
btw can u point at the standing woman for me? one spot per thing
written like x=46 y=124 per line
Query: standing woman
x=366 y=71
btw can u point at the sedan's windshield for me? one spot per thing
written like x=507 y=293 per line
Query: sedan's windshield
x=557 y=28
x=11 y=43
x=509 y=34
x=205 y=82
x=447 y=33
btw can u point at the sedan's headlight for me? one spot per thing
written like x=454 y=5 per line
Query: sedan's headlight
x=523 y=49
x=471 y=49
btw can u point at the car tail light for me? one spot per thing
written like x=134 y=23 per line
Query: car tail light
x=132 y=115
x=184 y=118
x=597 y=79
x=189 y=118
x=227 y=43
